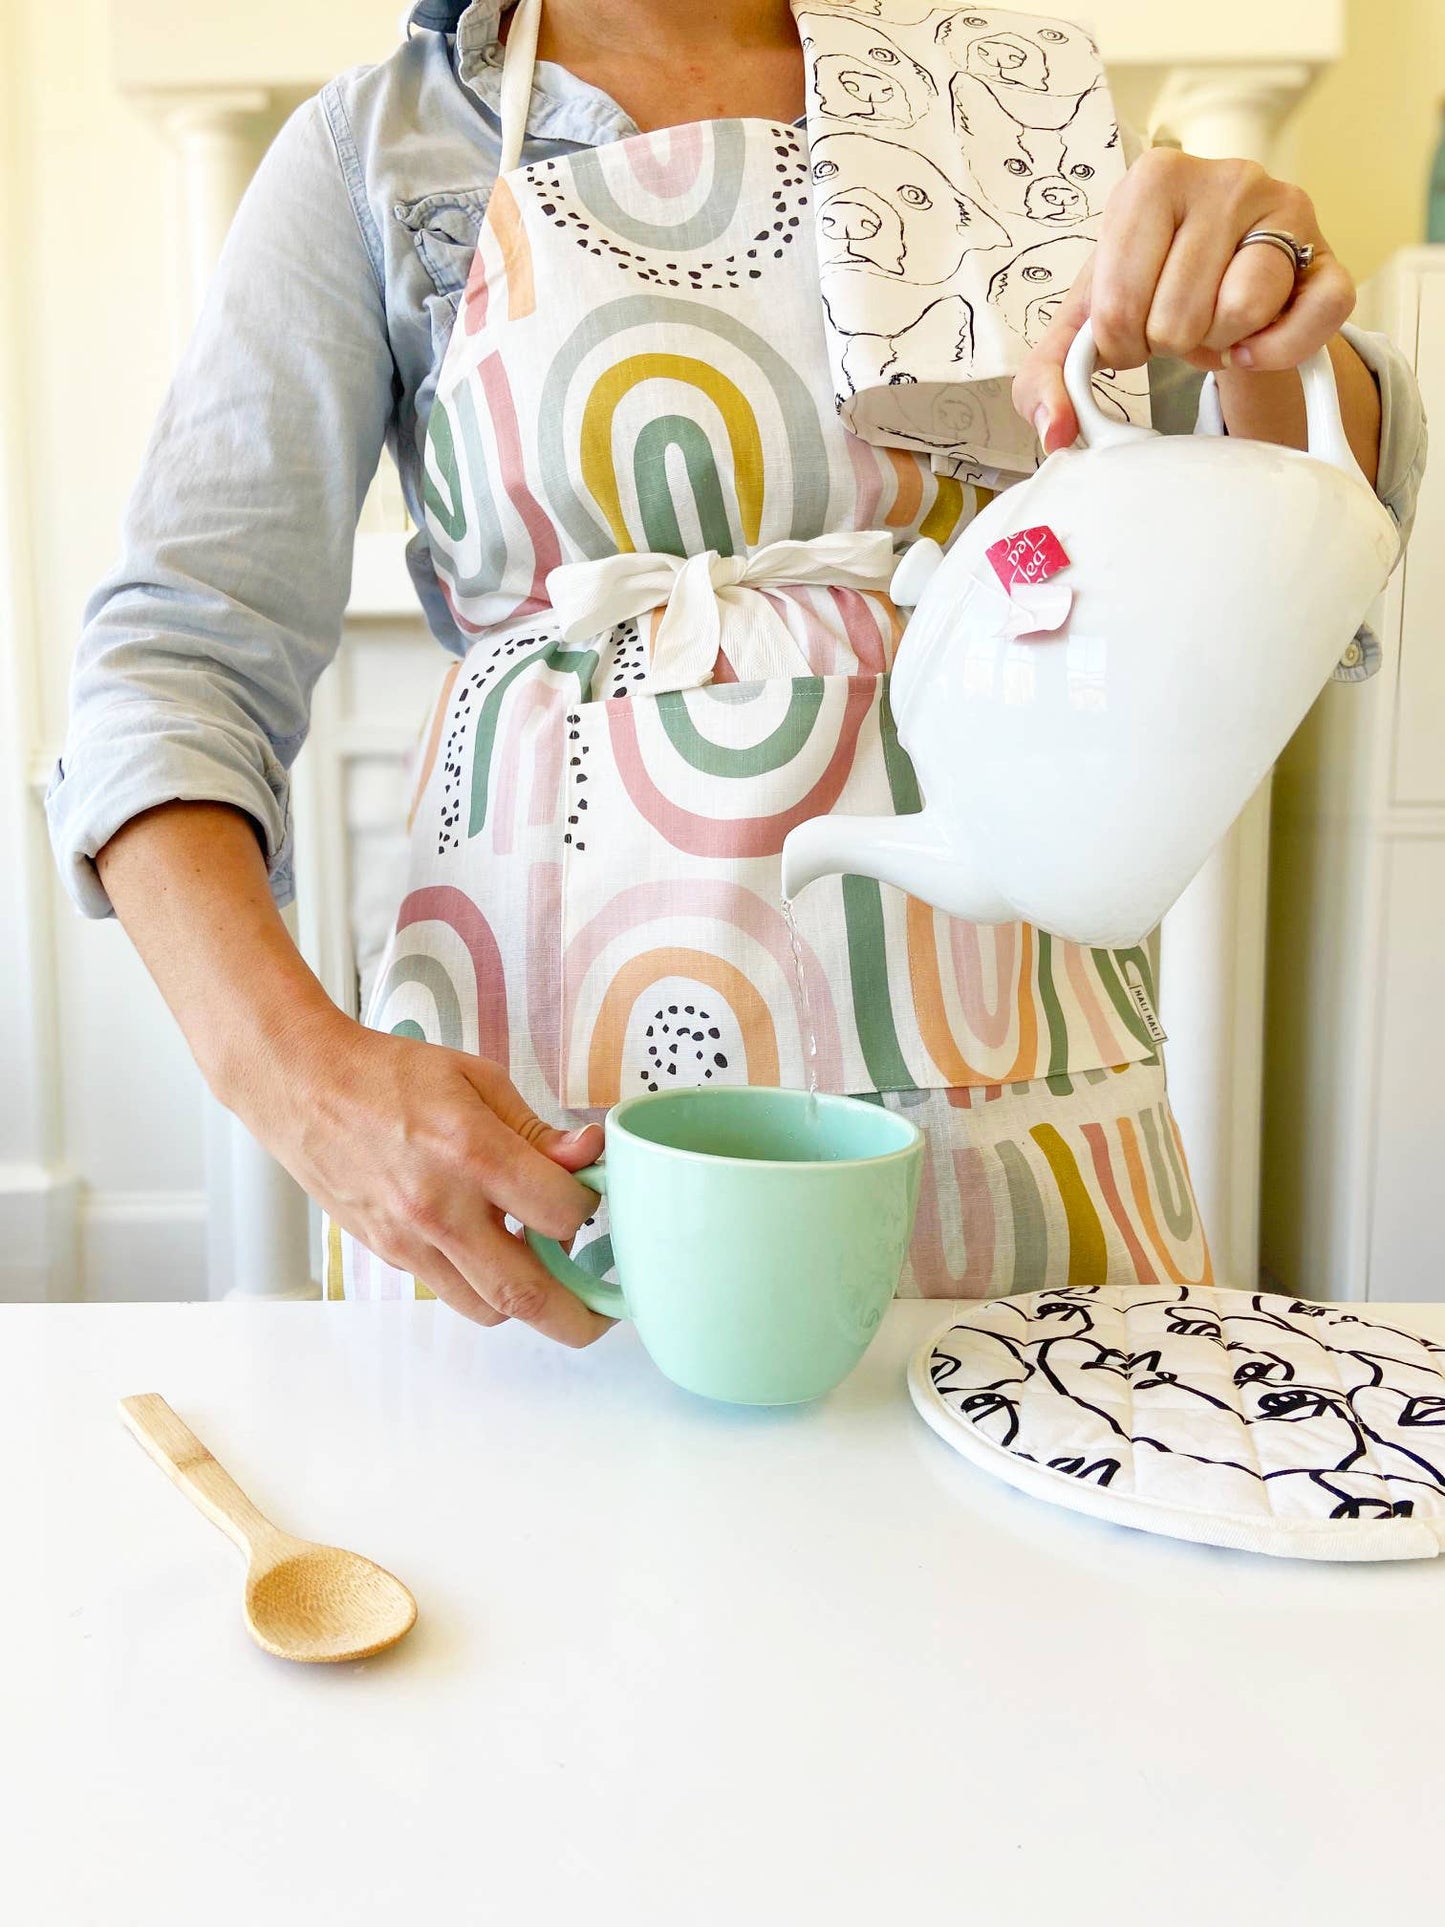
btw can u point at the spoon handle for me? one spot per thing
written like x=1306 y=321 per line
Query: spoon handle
x=183 y=1458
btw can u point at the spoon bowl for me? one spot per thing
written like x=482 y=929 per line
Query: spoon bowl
x=319 y=1603
x=303 y=1601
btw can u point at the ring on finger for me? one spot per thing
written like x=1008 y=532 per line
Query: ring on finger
x=1300 y=253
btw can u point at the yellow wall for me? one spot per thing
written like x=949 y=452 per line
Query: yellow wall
x=1363 y=140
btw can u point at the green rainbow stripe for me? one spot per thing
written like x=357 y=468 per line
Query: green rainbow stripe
x=432 y=976
x=868 y=971
x=1030 y=1225
x=611 y=389
x=1109 y=964
x=1053 y=1009
x=581 y=663
x=902 y=782
x=660 y=527
x=751 y=759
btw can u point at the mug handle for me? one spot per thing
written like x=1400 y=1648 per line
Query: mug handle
x=594 y=1292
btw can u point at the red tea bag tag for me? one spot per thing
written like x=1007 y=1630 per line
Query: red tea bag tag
x=1029 y=557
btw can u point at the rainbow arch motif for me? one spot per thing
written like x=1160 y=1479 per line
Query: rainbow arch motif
x=659 y=317
x=672 y=178
x=746 y=443
x=638 y=974
x=662 y=903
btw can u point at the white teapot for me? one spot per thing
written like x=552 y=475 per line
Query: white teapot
x=1086 y=735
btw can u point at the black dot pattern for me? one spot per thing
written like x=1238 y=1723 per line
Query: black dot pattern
x=699 y=273
x=574 y=836
x=623 y=664
x=482 y=668
x=683 y=1046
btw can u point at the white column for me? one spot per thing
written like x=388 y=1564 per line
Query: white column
x=215 y=138
x=1212 y=950
x=38 y=1196
x=258 y=1241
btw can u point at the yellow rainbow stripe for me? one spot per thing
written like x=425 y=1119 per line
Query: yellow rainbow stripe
x=599 y=472
x=1088 y=1248
x=942 y=519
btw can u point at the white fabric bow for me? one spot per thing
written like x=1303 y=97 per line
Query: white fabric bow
x=713 y=602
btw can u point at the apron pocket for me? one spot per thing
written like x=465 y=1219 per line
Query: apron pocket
x=677 y=964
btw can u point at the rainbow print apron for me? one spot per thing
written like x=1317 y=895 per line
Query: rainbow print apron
x=670 y=560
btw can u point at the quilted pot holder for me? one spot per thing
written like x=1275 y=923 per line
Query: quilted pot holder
x=1235 y=1418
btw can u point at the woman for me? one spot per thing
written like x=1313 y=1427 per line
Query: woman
x=535 y=973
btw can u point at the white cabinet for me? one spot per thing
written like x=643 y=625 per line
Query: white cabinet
x=1354 y=1143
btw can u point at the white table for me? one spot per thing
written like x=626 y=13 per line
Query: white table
x=676 y=1664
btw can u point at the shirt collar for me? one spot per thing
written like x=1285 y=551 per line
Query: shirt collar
x=563 y=107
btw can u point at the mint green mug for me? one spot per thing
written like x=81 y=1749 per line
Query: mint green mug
x=758 y=1234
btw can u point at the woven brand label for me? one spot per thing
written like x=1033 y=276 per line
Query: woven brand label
x=1143 y=1003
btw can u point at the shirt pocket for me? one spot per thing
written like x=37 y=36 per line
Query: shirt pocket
x=677 y=964
x=444 y=229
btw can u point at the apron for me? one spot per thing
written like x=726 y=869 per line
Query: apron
x=669 y=559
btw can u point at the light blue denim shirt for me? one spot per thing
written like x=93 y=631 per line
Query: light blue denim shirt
x=319 y=341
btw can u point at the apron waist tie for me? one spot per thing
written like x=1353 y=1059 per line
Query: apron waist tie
x=714 y=602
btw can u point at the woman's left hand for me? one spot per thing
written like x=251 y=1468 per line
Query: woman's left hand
x=1166 y=279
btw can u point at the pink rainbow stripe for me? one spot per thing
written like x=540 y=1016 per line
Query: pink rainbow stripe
x=1098 y=1144
x=544 y=998
x=867 y=481
x=861 y=628
x=668 y=163
x=546 y=550
x=538 y=698
x=740 y=836
x=1107 y=1041
x=991 y=1027
x=441 y=903
x=728 y=903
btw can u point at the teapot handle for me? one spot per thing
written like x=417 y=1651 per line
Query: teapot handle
x=1327 y=439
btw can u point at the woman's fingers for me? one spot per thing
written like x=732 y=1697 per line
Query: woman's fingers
x=444 y=1281
x=522 y=1160
x=1254 y=285
x=1039 y=394
x=1323 y=301
x=1135 y=238
x=509 y=1277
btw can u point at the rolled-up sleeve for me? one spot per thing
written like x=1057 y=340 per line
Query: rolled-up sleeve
x=1403 y=436
x=200 y=650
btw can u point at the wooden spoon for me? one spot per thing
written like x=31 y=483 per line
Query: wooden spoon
x=303 y=1601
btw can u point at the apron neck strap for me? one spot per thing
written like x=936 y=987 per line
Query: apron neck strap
x=519 y=60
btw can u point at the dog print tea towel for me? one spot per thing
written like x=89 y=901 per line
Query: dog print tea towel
x=960 y=160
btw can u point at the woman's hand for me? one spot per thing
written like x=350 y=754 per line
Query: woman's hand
x=416 y=1150
x=420 y=1152
x=1166 y=279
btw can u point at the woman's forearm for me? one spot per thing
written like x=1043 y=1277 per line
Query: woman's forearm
x=189 y=883
x=1270 y=407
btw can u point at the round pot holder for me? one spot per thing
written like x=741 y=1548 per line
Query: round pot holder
x=1235 y=1418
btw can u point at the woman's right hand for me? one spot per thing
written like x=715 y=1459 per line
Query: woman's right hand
x=420 y=1152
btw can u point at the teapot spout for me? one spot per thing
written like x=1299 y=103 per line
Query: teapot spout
x=914 y=853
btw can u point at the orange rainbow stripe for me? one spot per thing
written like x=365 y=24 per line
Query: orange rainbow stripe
x=1139 y=1185
x=928 y=1004
x=760 y=1040
x=516 y=251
